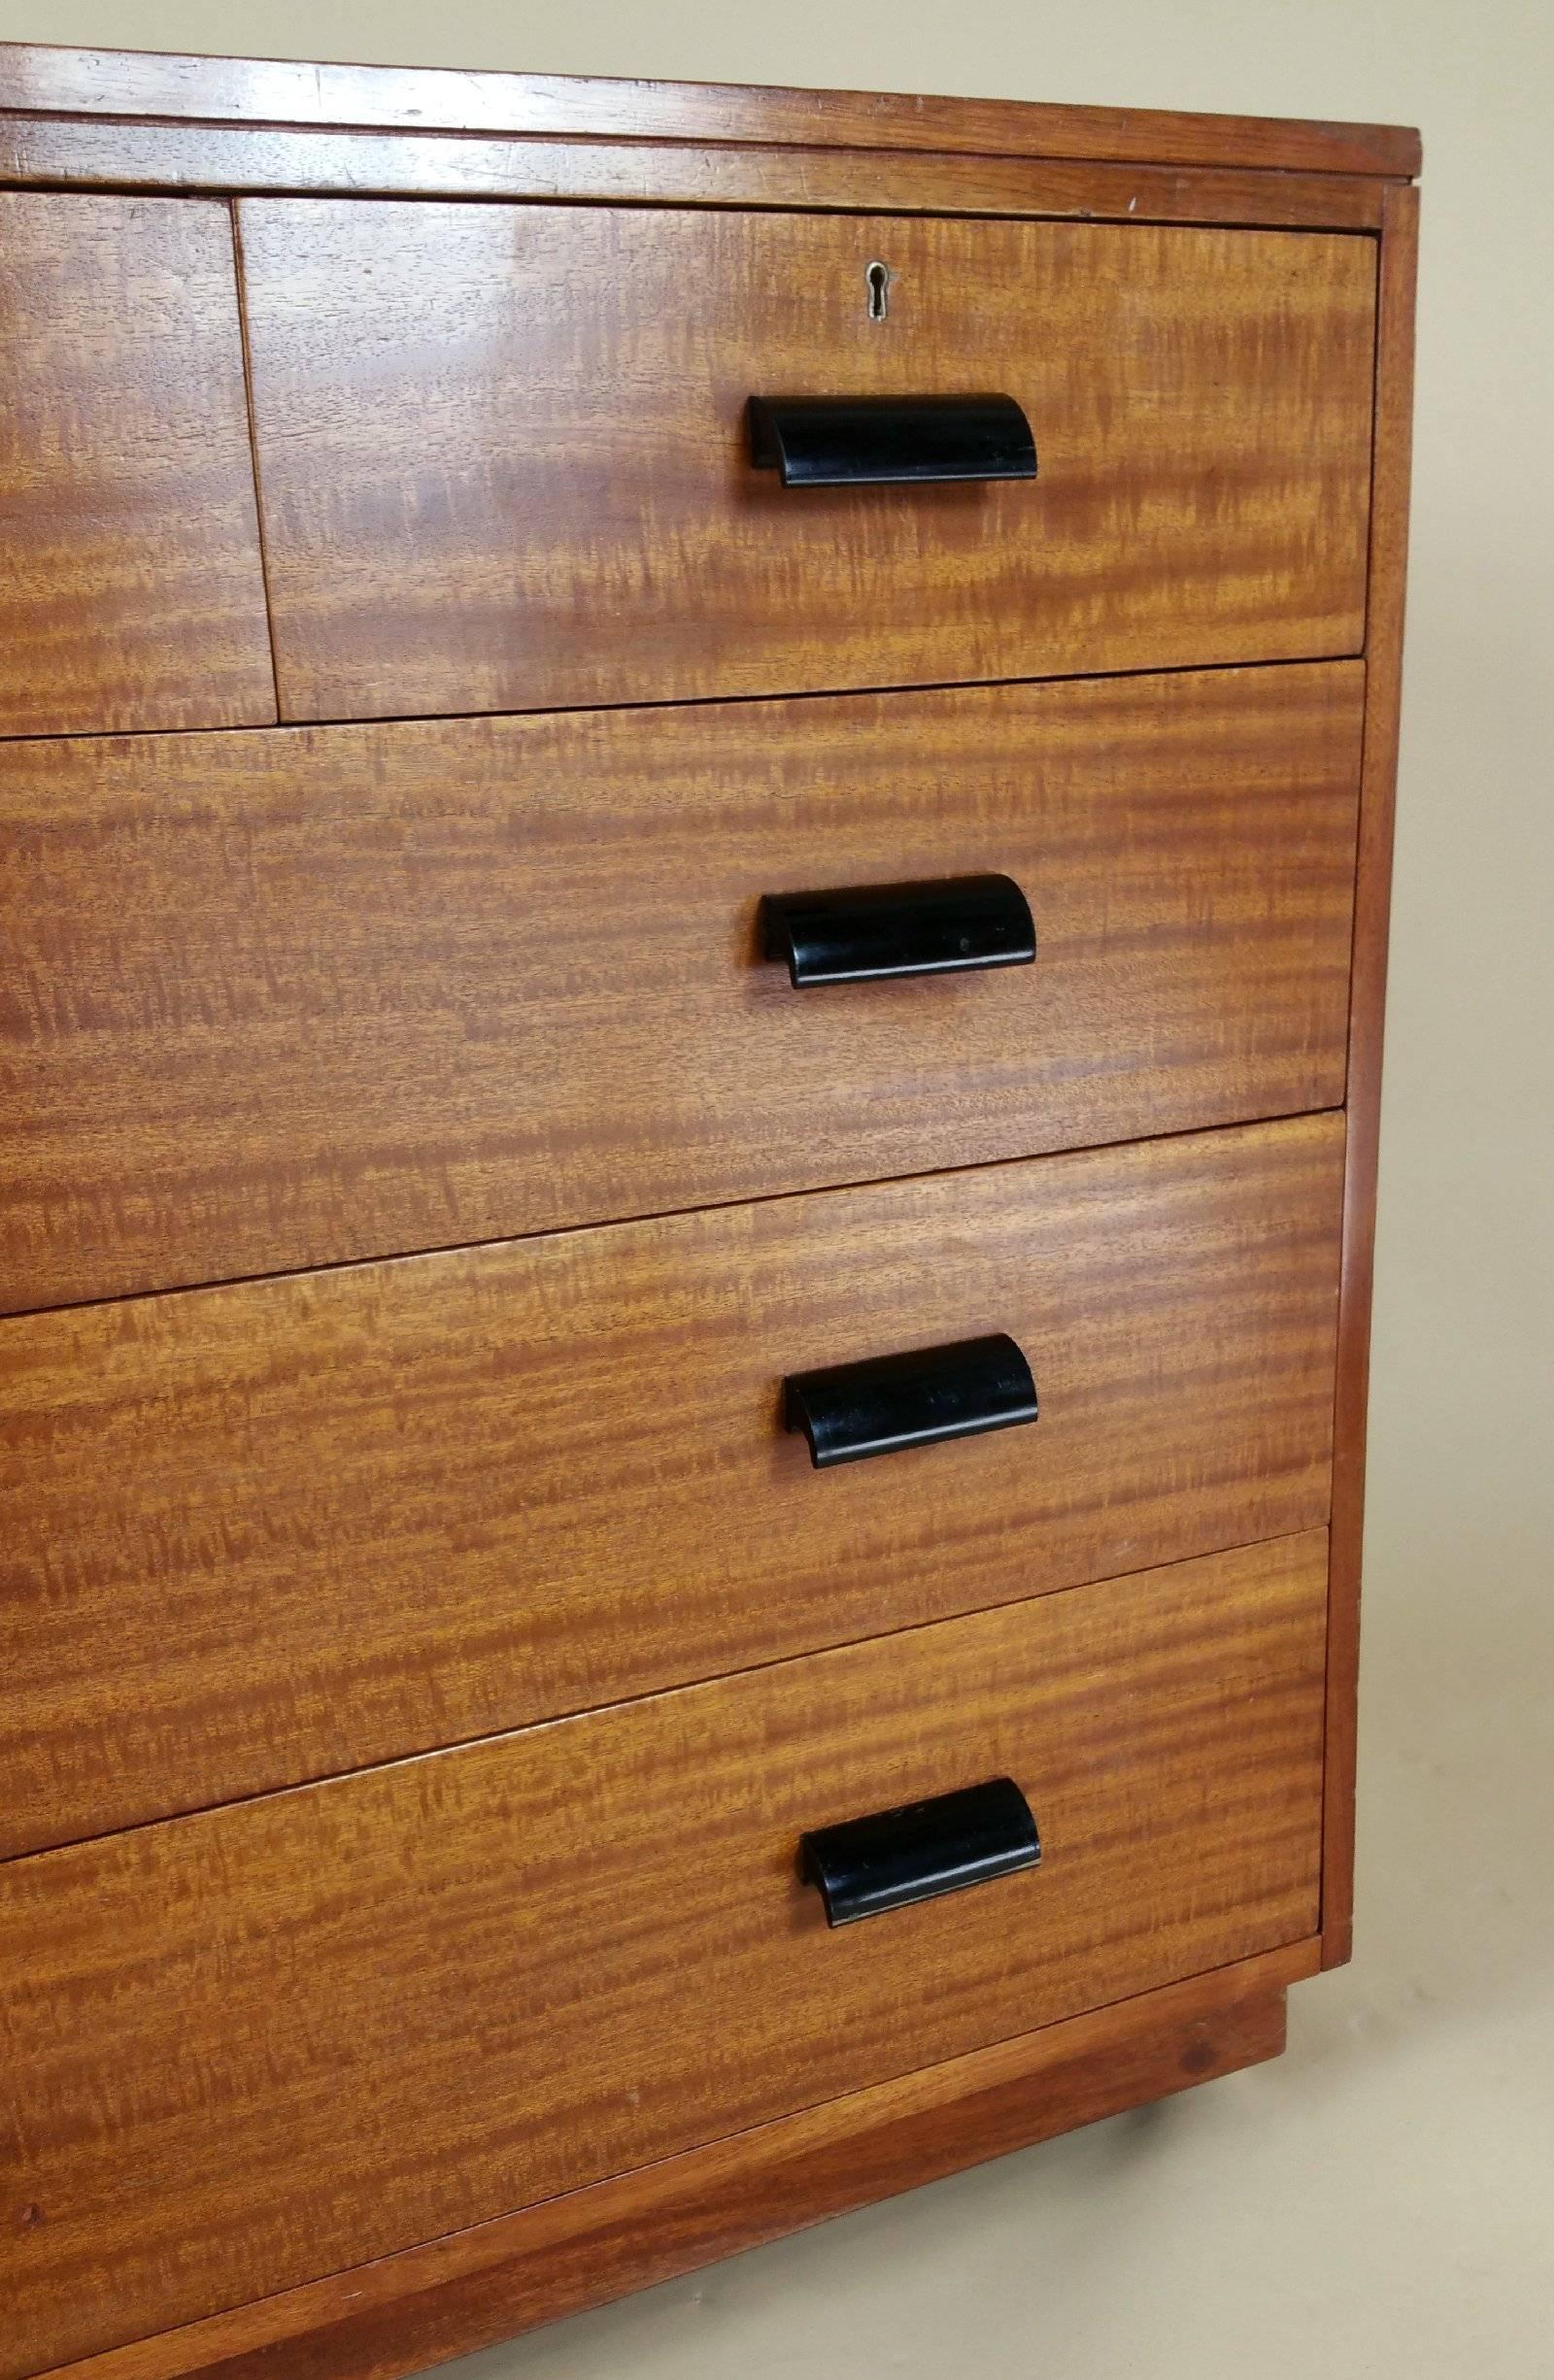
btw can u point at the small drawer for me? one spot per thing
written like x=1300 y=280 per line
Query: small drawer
x=290 y=999
x=321 y=2028
x=509 y=460
x=273 y=1532
x=131 y=593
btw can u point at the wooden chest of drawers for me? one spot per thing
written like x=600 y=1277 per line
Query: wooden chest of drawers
x=696 y=796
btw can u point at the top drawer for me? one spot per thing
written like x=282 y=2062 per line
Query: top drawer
x=130 y=589
x=504 y=462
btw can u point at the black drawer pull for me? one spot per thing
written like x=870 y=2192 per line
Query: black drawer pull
x=948 y=925
x=857 y=442
x=889 y=1402
x=870 y=1864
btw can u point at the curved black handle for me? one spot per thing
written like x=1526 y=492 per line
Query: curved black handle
x=946 y=925
x=887 y=1404
x=870 y=1864
x=858 y=442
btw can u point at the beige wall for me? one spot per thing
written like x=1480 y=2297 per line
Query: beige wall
x=1381 y=2203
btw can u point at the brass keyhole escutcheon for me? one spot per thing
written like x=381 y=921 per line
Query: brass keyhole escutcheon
x=878 y=277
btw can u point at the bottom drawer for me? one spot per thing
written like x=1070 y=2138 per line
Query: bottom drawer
x=263 y=2043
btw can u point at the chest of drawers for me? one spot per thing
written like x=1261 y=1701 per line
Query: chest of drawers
x=695 y=791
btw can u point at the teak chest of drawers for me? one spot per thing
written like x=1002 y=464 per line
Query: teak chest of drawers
x=696 y=795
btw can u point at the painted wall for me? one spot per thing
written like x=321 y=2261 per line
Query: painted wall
x=1378 y=2203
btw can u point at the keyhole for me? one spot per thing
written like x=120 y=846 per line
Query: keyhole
x=878 y=277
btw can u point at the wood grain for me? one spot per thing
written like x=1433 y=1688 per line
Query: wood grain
x=283 y=91
x=276 y=1531
x=269 y=2041
x=503 y=458
x=1395 y=368
x=83 y=151
x=501 y=2031
x=131 y=593
x=278 y=1000
x=390 y=2319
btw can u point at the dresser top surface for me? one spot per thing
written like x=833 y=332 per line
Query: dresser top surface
x=143 y=84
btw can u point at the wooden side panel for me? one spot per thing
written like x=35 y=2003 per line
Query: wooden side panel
x=281 y=1000
x=392 y=2318
x=276 y=1531
x=131 y=593
x=258 y=157
x=268 y=2041
x=421 y=99
x=1395 y=374
x=503 y=456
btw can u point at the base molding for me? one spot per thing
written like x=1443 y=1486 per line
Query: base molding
x=475 y=2288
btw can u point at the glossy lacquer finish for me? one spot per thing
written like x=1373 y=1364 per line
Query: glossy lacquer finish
x=864 y=933
x=504 y=451
x=450 y=1731
x=421 y=100
x=131 y=593
x=888 y=1860
x=859 y=442
x=36 y=149
x=887 y=1404
x=413 y=1502
x=281 y=1000
x=507 y=1971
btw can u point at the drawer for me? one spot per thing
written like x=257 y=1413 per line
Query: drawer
x=130 y=589
x=414 y=1998
x=504 y=458
x=277 y=1531
x=287 y=999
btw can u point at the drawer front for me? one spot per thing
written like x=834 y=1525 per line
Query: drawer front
x=130 y=589
x=277 y=1531
x=504 y=458
x=281 y=1000
x=417 y=1997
